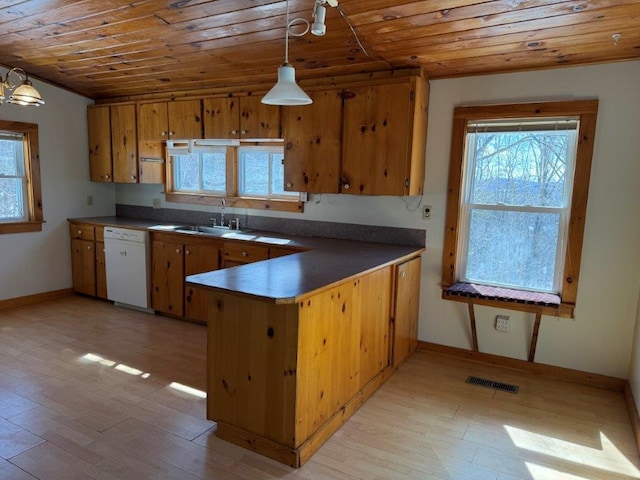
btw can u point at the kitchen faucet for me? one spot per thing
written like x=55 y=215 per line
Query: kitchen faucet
x=224 y=204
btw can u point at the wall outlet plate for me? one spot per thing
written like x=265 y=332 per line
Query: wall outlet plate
x=156 y=203
x=426 y=211
x=502 y=323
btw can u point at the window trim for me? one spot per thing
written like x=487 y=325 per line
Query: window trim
x=294 y=204
x=586 y=111
x=33 y=180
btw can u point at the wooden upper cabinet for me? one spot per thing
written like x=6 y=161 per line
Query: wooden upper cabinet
x=185 y=119
x=124 y=145
x=385 y=138
x=241 y=118
x=313 y=144
x=99 y=126
x=153 y=122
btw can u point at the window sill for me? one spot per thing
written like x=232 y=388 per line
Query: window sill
x=20 y=227
x=238 y=202
x=511 y=299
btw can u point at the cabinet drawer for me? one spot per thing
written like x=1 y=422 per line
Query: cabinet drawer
x=245 y=252
x=84 y=232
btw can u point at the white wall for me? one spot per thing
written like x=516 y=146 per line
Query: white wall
x=599 y=339
x=39 y=262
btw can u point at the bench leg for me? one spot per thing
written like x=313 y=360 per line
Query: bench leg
x=472 y=321
x=534 y=336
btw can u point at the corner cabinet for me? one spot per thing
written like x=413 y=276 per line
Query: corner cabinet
x=368 y=140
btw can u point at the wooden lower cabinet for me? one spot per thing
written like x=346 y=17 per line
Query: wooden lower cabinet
x=88 y=270
x=241 y=253
x=282 y=378
x=172 y=259
x=405 y=319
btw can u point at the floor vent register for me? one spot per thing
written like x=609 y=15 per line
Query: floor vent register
x=483 y=382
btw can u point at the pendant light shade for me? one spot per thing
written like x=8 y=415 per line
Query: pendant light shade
x=286 y=91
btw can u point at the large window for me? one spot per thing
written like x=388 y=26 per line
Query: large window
x=517 y=196
x=20 y=196
x=203 y=171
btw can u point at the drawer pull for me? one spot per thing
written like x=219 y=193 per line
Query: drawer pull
x=244 y=254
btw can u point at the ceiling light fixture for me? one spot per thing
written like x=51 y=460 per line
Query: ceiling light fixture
x=286 y=91
x=319 y=14
x=25 y=94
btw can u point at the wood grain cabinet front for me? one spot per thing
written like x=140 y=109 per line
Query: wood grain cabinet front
x=113 y=148
x=240 y=118
x=366 y=140
x=406 y=310
x=87 y=260
x=172 y=259
x=241 y=253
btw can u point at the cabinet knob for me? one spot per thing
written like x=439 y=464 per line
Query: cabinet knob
x=234 y=132
x=133 y=177
x=79 y=232
x=88 y=247
x=346 y=186
x=172 y=133
x=244 y=254
x=106 y=176
x=177 y=250
x=163 y=134
x=187 y=252
x=289 y=185
x=243 y=132
x=402 y=274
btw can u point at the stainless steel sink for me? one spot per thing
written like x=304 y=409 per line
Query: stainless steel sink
x=217 y=230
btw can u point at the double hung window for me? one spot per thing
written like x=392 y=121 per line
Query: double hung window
x=517 y=197
x=20 y=192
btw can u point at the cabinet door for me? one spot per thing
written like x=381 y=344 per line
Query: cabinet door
x=83 y=267
x=99 y=125
x=153 y=130
x=199 y=259
x=376 y=149
x=407 y=301
x=124 y=144
x=101 y=271
x=312 y=135
x=167 y=277
x=185 y=119
x=258 y=120
x=221 y=117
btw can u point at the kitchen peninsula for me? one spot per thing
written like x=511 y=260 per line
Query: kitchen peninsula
x=297 y=344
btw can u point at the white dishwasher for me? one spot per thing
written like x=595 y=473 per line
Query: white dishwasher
x=127 y=263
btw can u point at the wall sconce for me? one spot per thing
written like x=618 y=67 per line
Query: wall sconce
x=25 y=93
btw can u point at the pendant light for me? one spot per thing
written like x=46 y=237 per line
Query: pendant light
x=286 y=91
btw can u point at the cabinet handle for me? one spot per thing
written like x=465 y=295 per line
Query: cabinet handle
x=177 y=250
x=163 y=134
x=234 y=132
x=402 y=274
x=187 y=252
x=88 y=247
x=243 y=132
x=79 y=232
x=289 y=185
x=346 y=186
x=106 y=176
x=172 y=133
x=244 y=254
x=133 y=177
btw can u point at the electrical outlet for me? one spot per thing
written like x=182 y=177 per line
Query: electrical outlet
x=89 y=200
x=502 y=323
x=156 y=203
x=426 y=211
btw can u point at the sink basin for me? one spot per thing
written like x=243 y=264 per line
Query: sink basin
x=217 y=230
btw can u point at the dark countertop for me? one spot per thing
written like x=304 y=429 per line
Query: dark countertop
x=287 y=279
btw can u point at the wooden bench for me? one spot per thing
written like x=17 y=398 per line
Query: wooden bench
x=535 y=302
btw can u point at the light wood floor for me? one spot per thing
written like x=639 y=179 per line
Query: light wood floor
x=86 y=393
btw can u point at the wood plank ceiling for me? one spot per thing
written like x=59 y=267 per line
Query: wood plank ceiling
x=108 y=49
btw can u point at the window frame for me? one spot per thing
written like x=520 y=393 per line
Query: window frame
x=271 y=149
x=586 y=112
x=35 y=217
x=232 y=198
